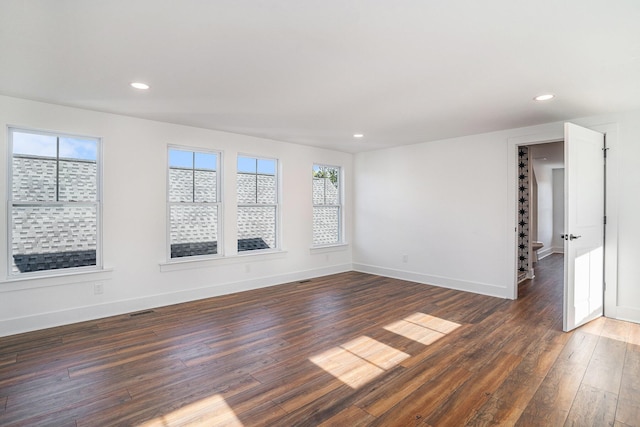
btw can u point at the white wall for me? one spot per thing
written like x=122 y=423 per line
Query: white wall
x=134 y=221
x=544 y=203
x=557 y=243
x=449 y=206
x=443 y=205
x=623 y=229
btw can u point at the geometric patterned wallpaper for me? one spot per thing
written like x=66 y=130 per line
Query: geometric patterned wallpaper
x=523 y=209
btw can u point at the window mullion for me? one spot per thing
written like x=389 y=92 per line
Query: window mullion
x=193 y=177
x=57 y=169
x=256 y=181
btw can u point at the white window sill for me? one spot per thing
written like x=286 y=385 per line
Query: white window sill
x=334 y=247
x=188 y=263
x=18 y=283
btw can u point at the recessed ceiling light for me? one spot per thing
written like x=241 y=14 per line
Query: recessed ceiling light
x=545 y=97
x=358 y=135
x=139 y=85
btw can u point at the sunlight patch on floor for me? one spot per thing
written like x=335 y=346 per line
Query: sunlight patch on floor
x=358 y=361
x=423 y=328
x=211 y=411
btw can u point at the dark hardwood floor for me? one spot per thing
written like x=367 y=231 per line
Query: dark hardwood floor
x=345 y=350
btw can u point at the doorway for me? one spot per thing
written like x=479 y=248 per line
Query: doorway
x=540 y=204
x=584 y=277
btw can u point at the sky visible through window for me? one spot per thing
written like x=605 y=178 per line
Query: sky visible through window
x=35 y=144
x=185 y=159
x=253 y=165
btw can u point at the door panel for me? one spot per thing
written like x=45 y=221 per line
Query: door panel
x=584 y=226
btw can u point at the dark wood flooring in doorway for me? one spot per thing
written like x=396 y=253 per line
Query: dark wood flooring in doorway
x=345 y=350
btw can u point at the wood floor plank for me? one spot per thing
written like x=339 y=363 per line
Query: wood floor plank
x=396 y=389
x=475 y=392
x=551 y=417
x=553 y=399
x=592 y=407
x=44 y=414
x=8 y=359
x=616 y=329
x=351 y=416
x=628 y=409
x=418 y=405
x=345 y=349
x=605 y=367
x=543 y=353
x=496 y=413
x=634 y=336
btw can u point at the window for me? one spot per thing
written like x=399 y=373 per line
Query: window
x=257 y=203
x=327 y=205
x=194 y=203
x=54 y=202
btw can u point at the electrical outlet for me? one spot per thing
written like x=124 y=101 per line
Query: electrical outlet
x=405 y=258
x=98 y=288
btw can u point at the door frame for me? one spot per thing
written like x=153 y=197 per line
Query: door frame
x=611 y=307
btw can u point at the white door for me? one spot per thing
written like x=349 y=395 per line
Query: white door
x=584 y=226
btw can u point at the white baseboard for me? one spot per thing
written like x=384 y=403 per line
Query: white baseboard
x=626 y=313
x=558 y=249
x=543 y=253
x=444 y=282
x=114 y=308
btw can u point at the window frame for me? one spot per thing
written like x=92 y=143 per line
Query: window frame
x=340 y=205
x=11 y=203
x=276 y=205
x=218 y=203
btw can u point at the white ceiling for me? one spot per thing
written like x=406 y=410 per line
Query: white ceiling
x=550 y=155
x=316 y=71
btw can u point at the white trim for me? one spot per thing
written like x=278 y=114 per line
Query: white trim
x=187 y=263
x=60 y=277
x=443 y=282
x=628 y=314
x=613 y=307
x=98 y=203
x=219 y=203
x=277 y=205
x=335 y=247
x=512 y=198
x=341 y=215
x=543 y=253
x=611 y=256
x=97 y=311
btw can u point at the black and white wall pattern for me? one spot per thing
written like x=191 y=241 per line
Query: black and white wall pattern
x=523 y=209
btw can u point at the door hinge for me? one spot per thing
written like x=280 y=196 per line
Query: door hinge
x=605 y=220
x=604 y=150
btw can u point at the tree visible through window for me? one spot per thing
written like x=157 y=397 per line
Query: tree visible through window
x=194 y=203
x=327 y=205
x=54 y=202
x=257 y=184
